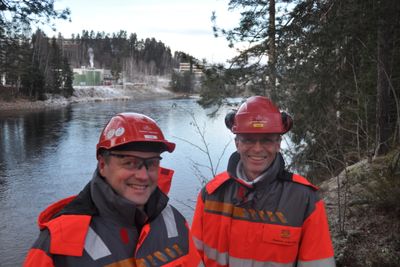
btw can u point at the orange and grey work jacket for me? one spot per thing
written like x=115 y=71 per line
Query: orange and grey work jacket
x=99 y=228
x=274 y=222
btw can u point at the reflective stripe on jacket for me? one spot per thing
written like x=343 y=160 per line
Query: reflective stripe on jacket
x=80 y=237
x=282 y=223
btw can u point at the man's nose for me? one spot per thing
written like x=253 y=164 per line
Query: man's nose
x=258 y=145
x=142 y=172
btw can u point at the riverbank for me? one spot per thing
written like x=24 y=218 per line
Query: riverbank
x=88 y=94
x=19 y=104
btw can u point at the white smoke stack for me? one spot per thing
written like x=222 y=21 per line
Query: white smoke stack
x=91 y=57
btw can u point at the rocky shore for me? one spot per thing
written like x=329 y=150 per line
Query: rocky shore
x=86 y=94
x=365 y=232
x=23 y=104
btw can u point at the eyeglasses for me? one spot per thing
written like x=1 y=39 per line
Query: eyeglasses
x=131 y=162
x=263 y=141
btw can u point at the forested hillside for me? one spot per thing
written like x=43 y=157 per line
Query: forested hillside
x=120 y=52
x=34 y=65
x=41 y=65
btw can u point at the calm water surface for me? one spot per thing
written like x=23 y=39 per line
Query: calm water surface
x=48 y=155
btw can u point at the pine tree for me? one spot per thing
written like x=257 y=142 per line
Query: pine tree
x=331 y=64
x=337 y=72
x=67 y=79
x=54 y=80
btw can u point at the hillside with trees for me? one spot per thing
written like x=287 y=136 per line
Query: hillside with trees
x=36 y=65
x=119 y=52
x=40 y=65
x=31 y=65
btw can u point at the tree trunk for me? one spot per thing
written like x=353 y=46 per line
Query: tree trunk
x=383 y=86
x=272 y=50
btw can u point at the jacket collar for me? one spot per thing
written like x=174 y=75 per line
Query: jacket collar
x=275 y=171
x=113 y=206
x=98 y=198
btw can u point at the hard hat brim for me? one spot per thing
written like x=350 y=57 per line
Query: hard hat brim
x=146 y=146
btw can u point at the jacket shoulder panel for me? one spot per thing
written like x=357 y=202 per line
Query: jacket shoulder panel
x=46 y=215
x=68 y=233
x=216 y=182
x=302 y=180
x=165 y=179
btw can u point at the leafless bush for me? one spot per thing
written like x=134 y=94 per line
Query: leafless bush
x=204 y=146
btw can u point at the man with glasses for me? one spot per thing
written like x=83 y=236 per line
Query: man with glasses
x=257 y=213
x=122 y=216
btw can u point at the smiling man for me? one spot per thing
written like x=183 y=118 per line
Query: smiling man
x=122 y=216
x=257 y=213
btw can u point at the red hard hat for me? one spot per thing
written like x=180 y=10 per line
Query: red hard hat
x=259 y=115
x=126 y=128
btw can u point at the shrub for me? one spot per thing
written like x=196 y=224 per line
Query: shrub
x=383 y=190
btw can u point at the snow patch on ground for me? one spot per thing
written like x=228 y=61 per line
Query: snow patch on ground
x=146 y=90
x=96 y=93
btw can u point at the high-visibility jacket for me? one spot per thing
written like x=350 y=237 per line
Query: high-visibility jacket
x=75 y=233
x=279 y=222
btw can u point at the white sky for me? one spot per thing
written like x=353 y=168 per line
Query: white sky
x=183 y=25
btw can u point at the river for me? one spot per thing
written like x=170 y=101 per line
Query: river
x=48 y=155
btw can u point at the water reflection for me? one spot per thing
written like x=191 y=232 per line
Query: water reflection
x=45 y=156
x=19 y=135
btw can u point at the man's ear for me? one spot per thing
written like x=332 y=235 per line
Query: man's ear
x=236 y=142
x=278 y=144
x=101 y=164
x=278 y=147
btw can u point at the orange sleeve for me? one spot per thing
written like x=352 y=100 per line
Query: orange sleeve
x=194 y=257
x=197 y=225
x=38 y=258
x=316 y=241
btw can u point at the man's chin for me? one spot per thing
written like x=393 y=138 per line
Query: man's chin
x=138 y=200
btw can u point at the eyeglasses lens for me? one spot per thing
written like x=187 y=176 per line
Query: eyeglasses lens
x=136 y=163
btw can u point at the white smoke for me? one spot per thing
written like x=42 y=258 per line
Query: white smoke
x=91 y=57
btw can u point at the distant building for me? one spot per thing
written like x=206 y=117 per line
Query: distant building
x=91 y=77
x=196 y=68
x=72 y=50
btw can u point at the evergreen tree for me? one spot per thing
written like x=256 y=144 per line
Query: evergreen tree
x=11 y=62
x=331 y=57
x=388 y=37
x=54 y=80
x=259 y=30
x=23 y=13
x=40 y=61
x=217 y=85
x=33 y=82
x=15 y=19
x=67 y=79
